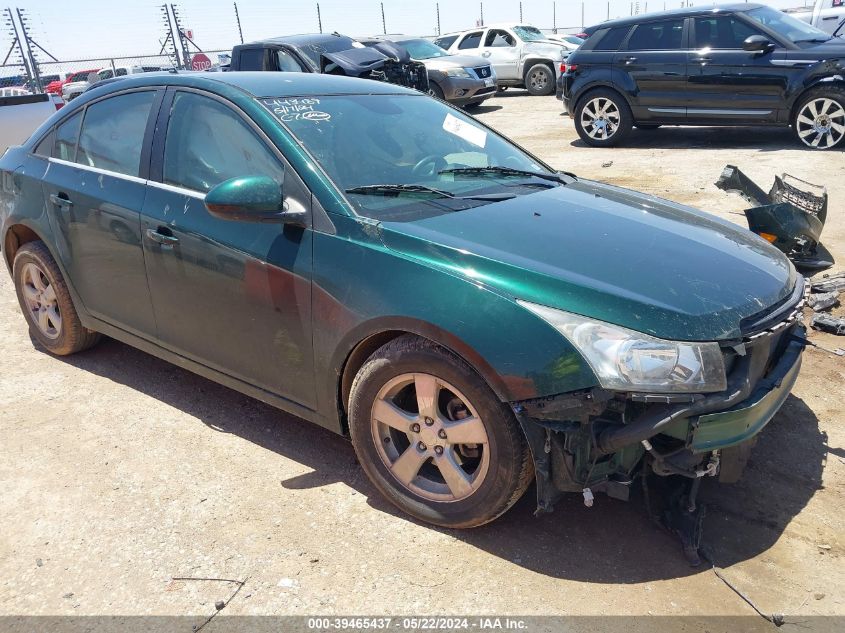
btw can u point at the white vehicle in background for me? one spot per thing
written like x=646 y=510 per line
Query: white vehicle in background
x=75 y=88
x=22 y=112
x=521 y=55
x=571 y=42
x=826 y=15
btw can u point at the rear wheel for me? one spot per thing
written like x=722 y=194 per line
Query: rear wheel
x=820 y=118
x=433 y=437
x=603 y=118
x=540 y=80
x=45 y=301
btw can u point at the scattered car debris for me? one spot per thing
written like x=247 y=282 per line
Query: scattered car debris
x=827 y=323
x=829 y=283
x=791 y=216
x=220 y=604
x=607 y=164
x=823 y=301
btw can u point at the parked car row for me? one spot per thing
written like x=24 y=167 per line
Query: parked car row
x=742 y=64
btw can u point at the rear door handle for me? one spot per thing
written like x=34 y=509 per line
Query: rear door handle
x=485 y=54
x=60 y=200
x=703 y=60
x=157 y=236
x=630 y=60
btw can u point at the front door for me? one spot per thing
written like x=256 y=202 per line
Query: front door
x=727 y=83
x=653 y=68
x=501 y=49
x=94 y=191
x=234 y=296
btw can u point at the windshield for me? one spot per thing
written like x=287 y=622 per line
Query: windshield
x=334 y=45
x=572 y=39
x=422 y=49
x=401 y=141
x=529 y=33
x=785 y=25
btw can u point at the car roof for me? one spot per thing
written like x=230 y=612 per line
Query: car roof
x=264 y=83
x=685 y=12
x=302 y=39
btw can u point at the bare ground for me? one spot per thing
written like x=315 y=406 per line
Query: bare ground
x=119 y=471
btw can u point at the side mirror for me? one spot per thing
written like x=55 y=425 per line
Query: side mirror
x=251 y=199
x=757 y=44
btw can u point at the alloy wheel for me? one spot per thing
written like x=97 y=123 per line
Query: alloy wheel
x=41 y=301
x=821 y=123
x=600 y=118
x=430 y=437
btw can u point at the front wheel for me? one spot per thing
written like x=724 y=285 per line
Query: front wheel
x=820 y=118
x=433 y=437
x=540 y=80
x=603 y=118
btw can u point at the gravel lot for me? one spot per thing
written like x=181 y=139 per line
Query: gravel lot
x=119 y=471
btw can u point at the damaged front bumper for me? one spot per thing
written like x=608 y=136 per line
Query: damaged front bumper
x=599 y=441
x=791 y=216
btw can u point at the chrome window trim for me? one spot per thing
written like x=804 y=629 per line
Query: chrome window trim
x=98 y=170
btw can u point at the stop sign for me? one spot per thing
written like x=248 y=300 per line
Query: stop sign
x=200 y=61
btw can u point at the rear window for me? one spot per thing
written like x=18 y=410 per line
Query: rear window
x=473 y=40
x=610 y=39
x=657 y=36
x=66 y=136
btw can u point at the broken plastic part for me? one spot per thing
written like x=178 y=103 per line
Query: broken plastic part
x=823 y=301
x=830 y=283
x=791 y=216
x=588 y=497
x=827 y=323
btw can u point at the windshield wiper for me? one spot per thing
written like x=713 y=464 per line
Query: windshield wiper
x=559 y=177
x=397 y=189
x=817 y=40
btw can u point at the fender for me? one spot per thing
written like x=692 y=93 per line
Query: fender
x=601 y=78
x=527 y=61
x=825 y=72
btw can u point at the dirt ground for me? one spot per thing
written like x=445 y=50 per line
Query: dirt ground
x=119 y=472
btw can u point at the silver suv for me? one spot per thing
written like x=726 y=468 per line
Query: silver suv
x=521 y=55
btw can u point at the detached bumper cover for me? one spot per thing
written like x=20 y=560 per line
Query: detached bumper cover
x=746 y=419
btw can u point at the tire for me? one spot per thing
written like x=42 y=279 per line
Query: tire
x=819 y=120
x=603 y=109
x=540 y=80
x=491 y=477
x=48 y=309
x=436 y=91
x=646 y=126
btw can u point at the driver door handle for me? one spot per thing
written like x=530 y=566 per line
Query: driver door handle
x=630 y=60
x=485 y=54
x=156 y=235
x=61 y=200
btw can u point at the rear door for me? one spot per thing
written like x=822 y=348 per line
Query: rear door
x=470 y=43
x=501 y=48
x=652 y=67
x=95 y=187
x=727 y=83
x=234 y=296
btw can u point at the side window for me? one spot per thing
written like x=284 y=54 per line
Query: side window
x=66 y=136
x=208 y=143
x=287 y=62
x=121 y=72
x=611 y=39
x=471 y=40
x=105 y=74
x=251 y=59
x=45 y=147
x=113 y=132
x=657 y=36
x=722 y=32
x=499 y=38
x=446 y=42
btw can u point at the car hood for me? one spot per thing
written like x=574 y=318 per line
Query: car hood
x=832 y=49
x=610 y=254
x=454 y=61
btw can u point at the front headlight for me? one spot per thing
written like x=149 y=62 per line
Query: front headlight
x=626 y=360
x=458 y=72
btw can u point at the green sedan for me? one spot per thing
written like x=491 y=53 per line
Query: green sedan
x=386 y=266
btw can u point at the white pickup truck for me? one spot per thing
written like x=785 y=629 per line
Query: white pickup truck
x=21 y=114
x=826 y=15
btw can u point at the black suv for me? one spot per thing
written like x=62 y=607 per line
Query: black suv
x=740 y=64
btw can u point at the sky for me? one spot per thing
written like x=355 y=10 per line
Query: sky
x=80 y=29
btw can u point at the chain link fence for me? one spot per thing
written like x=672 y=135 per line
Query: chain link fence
x=44 y=47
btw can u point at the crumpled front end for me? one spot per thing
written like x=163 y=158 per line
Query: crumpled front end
x=596 y=440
